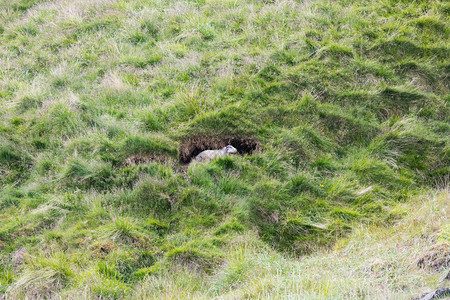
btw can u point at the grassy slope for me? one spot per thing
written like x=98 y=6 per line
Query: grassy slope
x=348 y=100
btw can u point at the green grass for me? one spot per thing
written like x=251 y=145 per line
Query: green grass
x=339 y=110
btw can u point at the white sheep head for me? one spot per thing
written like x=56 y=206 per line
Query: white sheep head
x=230 y=149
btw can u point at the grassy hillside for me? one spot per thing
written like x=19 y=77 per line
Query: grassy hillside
x=339 y=110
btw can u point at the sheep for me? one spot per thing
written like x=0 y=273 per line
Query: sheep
x=208 y=155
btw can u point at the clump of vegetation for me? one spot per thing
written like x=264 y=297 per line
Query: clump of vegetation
x=338 y=109
x=14 y=162
x=195 y=257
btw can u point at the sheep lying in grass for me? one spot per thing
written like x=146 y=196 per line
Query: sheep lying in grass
x=208 y=155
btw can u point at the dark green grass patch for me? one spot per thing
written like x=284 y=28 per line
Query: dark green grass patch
x=15 y=164
x=399 y=48
x=151 y=196
x=86 y=175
